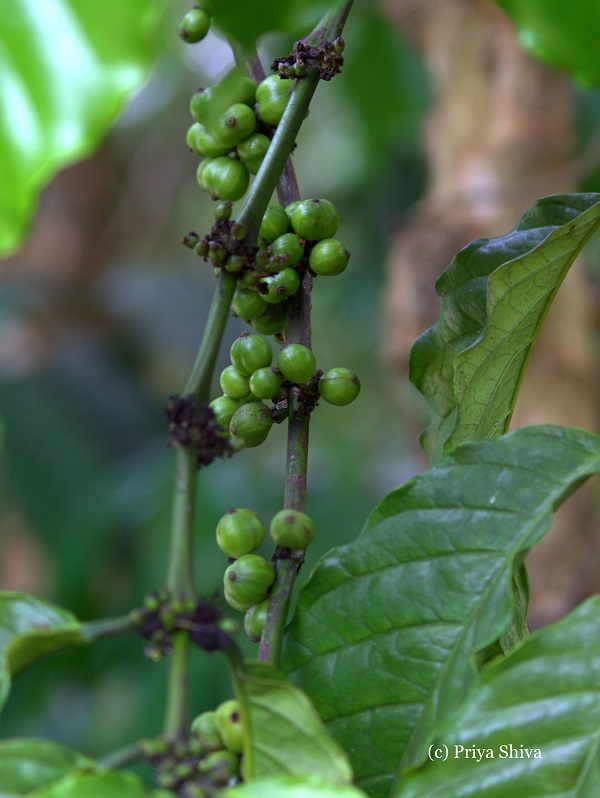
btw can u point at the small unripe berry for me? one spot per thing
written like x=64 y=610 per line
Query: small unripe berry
x=274 y=223
x=224 y=407
x=223 y=210
x=292 y=529
x=272 y=96
x=315 y=219
x=254 y=622
x=289 y=209
x=297 y=363
x=250 y=352
x=247 y=580
x=273 y=321
x=252 y=151
x=229 y=724
x=234 y=384
x=265 y=383
x=234 y=264
x=251 y=424
x=328 y=257
x=204 y=726
x=239 y=532
x=248 y=303
x=194 y=26
x=278 y=287
x=220 y=767
x=339 y=386
x=224 y=178
x=234 y=125
x=288 y=243
x=203 y=143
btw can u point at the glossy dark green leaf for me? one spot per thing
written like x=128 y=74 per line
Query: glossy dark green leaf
x=286 y=786
x=494 y=297
x=286 y=734
x=110 y=784
x=559 y=34
x=543 y=699
x=387 y=628
x=30 y=628
x=66 y=68
x=247 y=22
x=26 y=764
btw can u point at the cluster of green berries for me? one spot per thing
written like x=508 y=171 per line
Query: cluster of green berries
x=232 y=130
x=249 y=577
x=206 y=761
x=194 y=25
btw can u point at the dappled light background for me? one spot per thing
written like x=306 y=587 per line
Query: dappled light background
x=101 y=313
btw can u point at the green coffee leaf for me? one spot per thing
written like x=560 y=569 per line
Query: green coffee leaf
x=110 y=784
x=388 y=628
x=246 y=22
x=535 y=718
x=31 y=628
x=286 y=786
x=26 y=764
x=560 y=35
x=66 y=68
x=494 y=297
x=286 y=732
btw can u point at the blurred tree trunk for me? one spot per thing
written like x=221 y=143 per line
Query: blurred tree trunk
x=499 y=136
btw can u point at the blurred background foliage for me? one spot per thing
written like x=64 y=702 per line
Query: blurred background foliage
x=101 y=312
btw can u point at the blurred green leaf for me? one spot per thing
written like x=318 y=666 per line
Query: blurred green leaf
x=246 y=22
x=286 y=786
x=29 y=629
x=286 y=732
x=66 y=68
x=112 y=784
x=545 y=696
x=559 y=34
x=26 y=764
x=387 y=628
x=495 y=295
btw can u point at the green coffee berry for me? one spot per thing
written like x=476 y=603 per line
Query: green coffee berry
x=234 y=125
x=202 y=167
x=250 y=352
x=272 y=96
x=245 y=90
x=229 y=724
x=292 y=529
x=194 y=26
x=247 y=580
x=251 y=424
x=266 y=382
x=339 y=386
x=261 y=259
x=288 y=243
x=234 y=384
x=220 y=766
x=234 y=264
x=278 y=287
x=297 y=363
x=240 y=532
x=203 y=143
x=315 y=219
x=204 y=726
x=224 y=178
x=273 y=321
x=328 y=257
x=224 y=407
x=252 y=151
x=248 y=303
x=274 y=223
x=254 y=622
x=289 y=209
x=277 y=263
x=223 y=210
x=216 y=251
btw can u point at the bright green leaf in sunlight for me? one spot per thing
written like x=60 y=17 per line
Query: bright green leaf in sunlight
x=543 y=699
x=563 y=35
x=66 y=68
x=389 y=628
x=26 y=764
x=286 y=786
x=495 y=294
x=112 y=784
x=286 y=733
x=30 y=628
